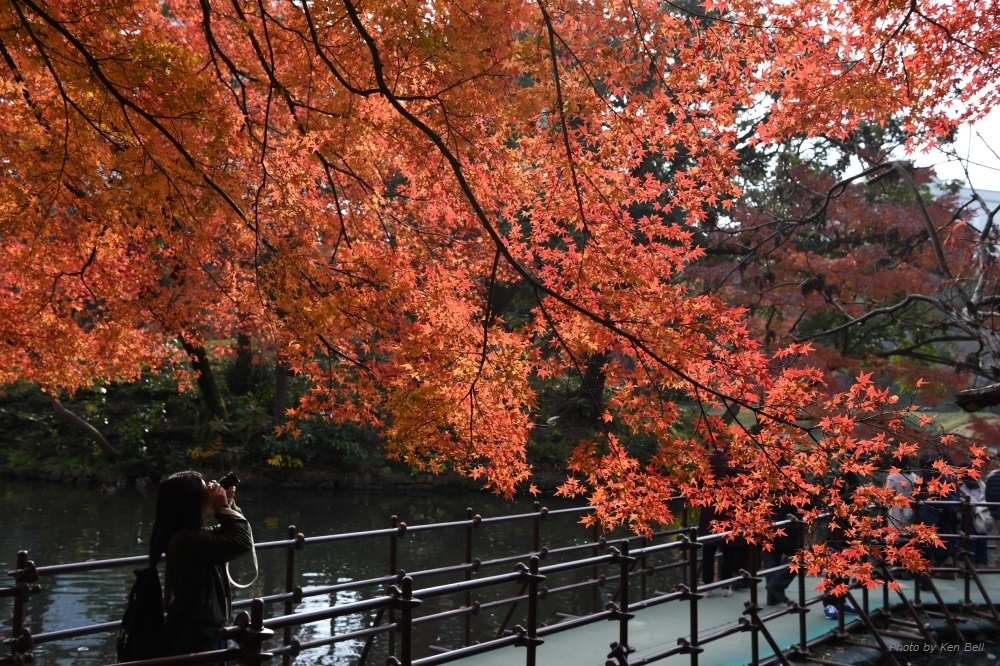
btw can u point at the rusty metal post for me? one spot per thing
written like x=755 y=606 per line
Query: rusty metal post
x=254 y=633
x=25 y=584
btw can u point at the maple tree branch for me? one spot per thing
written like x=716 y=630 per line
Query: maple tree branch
x=67 y=103
x=915 y=7
x=464 y=185
x=267 y=64
x=126 y=103
x=577 y=363
x=19 y=78
x=902 y=305
x=815 y=215
x=892 y=37
x=932 y=235
x=332 y=349
x=560 y=104
x=488 y=315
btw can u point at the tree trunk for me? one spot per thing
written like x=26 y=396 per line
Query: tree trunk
x=206 y=382
x=593 y=381
x=241 y=379
x=92 y=432
x=280 y=391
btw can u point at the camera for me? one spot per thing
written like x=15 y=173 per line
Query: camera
x=229 y=481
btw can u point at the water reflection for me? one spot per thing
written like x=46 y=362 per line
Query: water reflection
x=58 y=524
x=345 y=652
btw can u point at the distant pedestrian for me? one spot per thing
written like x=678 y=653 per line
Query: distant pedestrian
x=733 y=551
x=903 y=482
x=992 y=493
x=933 y=513
x=782 y=549
x=980 y=521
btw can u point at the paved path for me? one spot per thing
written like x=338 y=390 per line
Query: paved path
x=657 y=629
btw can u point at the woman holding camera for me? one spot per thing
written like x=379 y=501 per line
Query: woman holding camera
x=197 y=588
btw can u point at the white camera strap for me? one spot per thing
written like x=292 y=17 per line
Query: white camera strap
x=256 y=569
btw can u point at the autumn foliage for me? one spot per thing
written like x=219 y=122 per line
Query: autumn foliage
x=350 y=183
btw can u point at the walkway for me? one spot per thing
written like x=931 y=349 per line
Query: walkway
x=658 y=628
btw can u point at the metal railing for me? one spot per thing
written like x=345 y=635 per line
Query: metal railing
x=625 y=566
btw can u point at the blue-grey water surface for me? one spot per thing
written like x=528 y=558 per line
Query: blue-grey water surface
x=59 y=524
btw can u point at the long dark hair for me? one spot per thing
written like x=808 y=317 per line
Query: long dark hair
x=178 y=507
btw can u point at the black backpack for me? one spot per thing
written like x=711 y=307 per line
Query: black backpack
x=142 y=634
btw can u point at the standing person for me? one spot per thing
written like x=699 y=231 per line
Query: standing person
x=197 y=589
x=782 y=549
x=721 y=468
x=930 y=513
x=903 y=482
x=975 y=491
x=992 y=494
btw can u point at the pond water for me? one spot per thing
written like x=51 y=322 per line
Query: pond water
x=59 y=524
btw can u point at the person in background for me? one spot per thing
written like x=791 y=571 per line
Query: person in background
x=992 y=494
x=931 y=513
x=903 y=483
x=783 y=547
x=197 y=591
x=731 y=550
x=975 y=491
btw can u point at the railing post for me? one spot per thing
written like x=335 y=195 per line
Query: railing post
x=475 y=520
x=966 y=552
x=803 y=649
x=300 y=542
x=643 y=593
x=400 y=528
x=598 y=542
x=405 y=603
x=917 y=577
x=692 y=549
x=25 y=584
x=528 y=636
x=625 y=561
x=536 y=537
x=753 y=606
x=252 y=635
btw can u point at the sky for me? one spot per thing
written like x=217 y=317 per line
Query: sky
x=980 y=146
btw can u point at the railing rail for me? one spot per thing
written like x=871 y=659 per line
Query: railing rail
x=626 y=563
